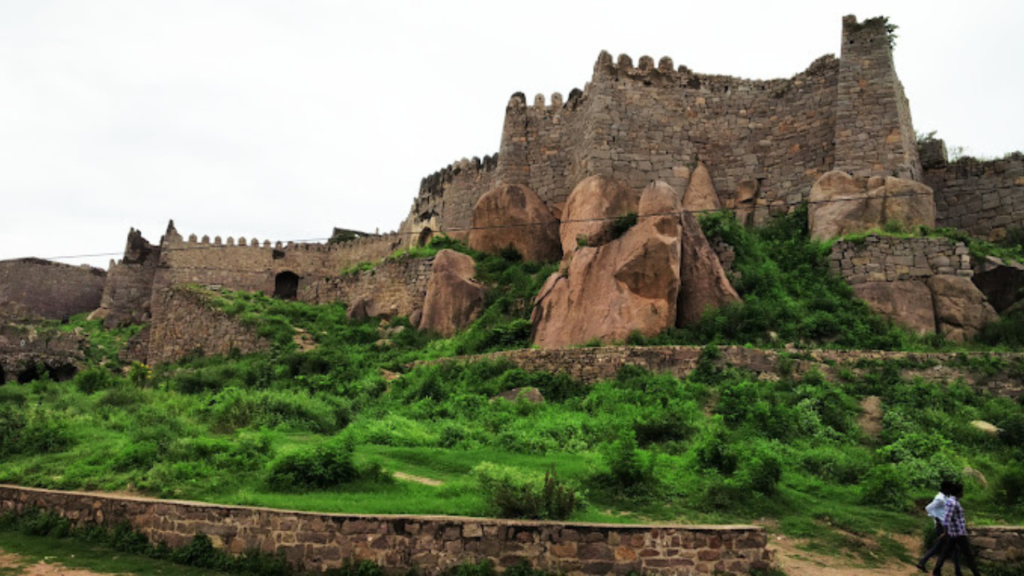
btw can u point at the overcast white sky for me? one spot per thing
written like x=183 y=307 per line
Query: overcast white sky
x=280 y=120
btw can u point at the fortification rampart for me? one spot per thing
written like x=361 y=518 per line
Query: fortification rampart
x=41 y=288
x=397 y=288
x=1003 y=374
x=184 y=322
x=430 y=544
x=983 y=198
x=764 y=142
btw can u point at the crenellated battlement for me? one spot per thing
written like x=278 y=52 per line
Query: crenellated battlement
x=666 y=73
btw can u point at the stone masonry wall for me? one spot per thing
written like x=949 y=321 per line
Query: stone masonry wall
x=648 y=121
x=983 y=198
x=999 y=543
x=397 y=287
x=590 y=365
x=249 y=265
x=429 y=543
x=184 y=321
x=50 y=289
x=874 y=134
x=24 y=348
x=891 y=259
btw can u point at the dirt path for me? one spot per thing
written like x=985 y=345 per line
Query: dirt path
x=41 y=568
x=796 y=562
x=417 y=479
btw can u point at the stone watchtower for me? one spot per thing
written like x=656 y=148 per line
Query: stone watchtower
x=874 y=135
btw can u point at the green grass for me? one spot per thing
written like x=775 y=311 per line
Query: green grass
x=84 y=555
x=720 y=446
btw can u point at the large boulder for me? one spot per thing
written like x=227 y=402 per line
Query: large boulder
x=841 y=204
x=454 y=299
x=700 y=195
x=513 y=215
x=703 y=283
x=607 y=292
x=588 y=218
x=961 y=310
x=906 y=302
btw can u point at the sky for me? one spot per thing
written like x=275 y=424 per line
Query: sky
x=281 y=120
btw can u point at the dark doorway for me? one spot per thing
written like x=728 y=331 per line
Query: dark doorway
x=62 y=372
x=425 y=235
x=28 y=374
x=3 y=377
x=286 y=285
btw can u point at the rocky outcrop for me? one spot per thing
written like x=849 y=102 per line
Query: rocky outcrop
x=1001 y=281
x=607 y=292
x=951 y=305
x=960 y=308
x=841 y=204
x=906 y=302
x=362 y=309
x=513 y=215
x=700 y=195
x=454 y=299
x=588 y=218
x=703 y=283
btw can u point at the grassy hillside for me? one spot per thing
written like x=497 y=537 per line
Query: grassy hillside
x=326 y=429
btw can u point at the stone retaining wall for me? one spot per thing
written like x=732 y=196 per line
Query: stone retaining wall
x=891 y=259
x=429 y=543
x=397 y=287
x=999 y=543
x=1003 y=374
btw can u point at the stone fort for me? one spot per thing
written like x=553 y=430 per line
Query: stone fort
x=762 y=143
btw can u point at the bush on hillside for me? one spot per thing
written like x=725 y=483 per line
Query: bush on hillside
x=515 y=493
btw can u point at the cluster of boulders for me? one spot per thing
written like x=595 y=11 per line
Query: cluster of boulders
x=616 y=277
x=453 y=300
x=951 y=304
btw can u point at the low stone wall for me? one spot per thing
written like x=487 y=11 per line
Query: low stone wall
x=999 y=543
x=397 y=287
x=184 y=321
x=590 y=365
x=428 y=543
x=890 y=259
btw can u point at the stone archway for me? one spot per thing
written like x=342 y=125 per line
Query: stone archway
x=286 y=285
x=425 y=236
x=62 y=372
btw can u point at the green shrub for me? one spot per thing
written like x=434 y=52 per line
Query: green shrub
x=760 y=468
x=238 y=408
x=514 y=493
x=885 y=487
x=630 y=469
x=327 y=465
x=1009 y=488
x=623 y=223
x=93 y=380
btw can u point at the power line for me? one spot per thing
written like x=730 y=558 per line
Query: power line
x=494 y=227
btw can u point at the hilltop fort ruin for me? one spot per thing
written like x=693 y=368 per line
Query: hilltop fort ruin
x=755 y=147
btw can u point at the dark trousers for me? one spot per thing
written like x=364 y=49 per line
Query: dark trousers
x=940 y=543
x=957 y=547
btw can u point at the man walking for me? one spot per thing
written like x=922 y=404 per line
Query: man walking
x=956 y=535
x=937 y=512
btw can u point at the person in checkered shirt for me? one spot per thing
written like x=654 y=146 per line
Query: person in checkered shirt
x=956 y=535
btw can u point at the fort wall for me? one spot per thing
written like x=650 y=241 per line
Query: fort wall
x=982 y=198
x=129 y=287
x=46 y=289
x=765 y=141
x=248 y=264
x=430 y=544
x=25 y=351
x=892 y=259
x=1002 y=375
x=184 y=322
x=398 y=287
